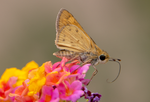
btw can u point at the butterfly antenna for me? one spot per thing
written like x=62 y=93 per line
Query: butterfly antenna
x=116 y=60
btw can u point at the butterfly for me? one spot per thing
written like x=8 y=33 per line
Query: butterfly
x=75 y=44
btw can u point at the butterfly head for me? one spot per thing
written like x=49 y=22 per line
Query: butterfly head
x=104 y=57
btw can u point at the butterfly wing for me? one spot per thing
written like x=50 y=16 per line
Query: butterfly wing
x=73 y=39
x=71 y=36
x=65 y=18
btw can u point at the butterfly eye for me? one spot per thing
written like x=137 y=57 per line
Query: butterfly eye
x=102 y=57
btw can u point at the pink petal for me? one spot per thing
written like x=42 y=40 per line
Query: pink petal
x=55 y=65
x=84 y=68
x=12 y=81
x=76 y=85
x=84 y=81
x=77 y=94
x=63 y=61
x=55 y=95
x=48 y=67
x=61 y=88
x=75 y=67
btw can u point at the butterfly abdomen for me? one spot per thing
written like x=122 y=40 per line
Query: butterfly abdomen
x=65 y=53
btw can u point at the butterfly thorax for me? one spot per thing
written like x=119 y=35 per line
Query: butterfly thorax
x=88 y=57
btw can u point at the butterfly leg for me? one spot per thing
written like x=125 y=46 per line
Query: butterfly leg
x=81 y=65
x=75 y=57
x=94 y=73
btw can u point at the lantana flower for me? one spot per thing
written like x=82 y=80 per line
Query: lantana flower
x=59 y=82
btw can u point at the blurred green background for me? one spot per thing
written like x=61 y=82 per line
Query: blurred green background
x=120 y=27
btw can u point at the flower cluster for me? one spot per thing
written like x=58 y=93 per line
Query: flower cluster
x=59 y=82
